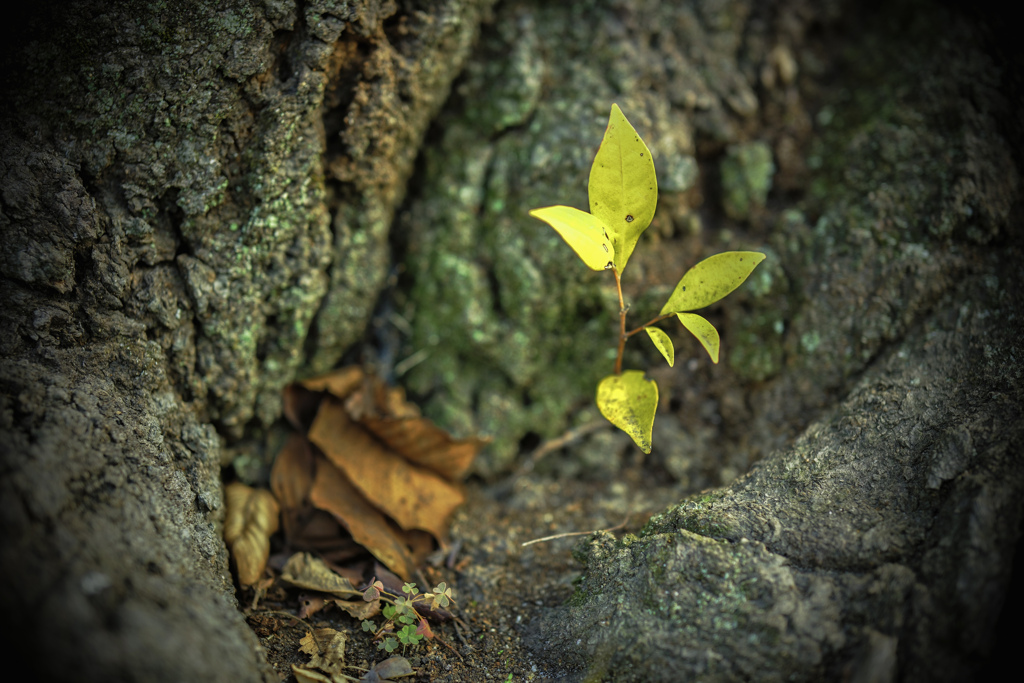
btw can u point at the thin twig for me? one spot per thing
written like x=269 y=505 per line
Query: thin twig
x=577 y=533
x=458 y=631
x=552 y=445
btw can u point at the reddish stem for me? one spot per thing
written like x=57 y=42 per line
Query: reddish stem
x=648 y=324
x=622 y=324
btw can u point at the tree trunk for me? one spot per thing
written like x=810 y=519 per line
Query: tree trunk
x=196 y=202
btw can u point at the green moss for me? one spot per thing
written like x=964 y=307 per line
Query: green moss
x=515 y=330
x=747 y=172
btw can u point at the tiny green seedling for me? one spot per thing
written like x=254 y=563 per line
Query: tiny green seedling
x=623 y=192
x=403 y=624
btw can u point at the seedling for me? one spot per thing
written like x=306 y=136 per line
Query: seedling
x=623 y=192
x=403 y=624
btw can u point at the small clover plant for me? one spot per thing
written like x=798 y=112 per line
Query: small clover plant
x=403 y=624
x=623 y=192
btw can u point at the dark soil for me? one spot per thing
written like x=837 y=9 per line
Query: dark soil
x=503 y=588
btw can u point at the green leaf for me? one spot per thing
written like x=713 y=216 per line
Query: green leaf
x=628 y=401
x=711 y=279
x=704 y=331
x=623 y=186
x=663 y=343
x=586 y=234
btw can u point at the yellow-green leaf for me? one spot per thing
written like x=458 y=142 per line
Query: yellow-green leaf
x=663 y=343
x=623 y=186
x=704 y=331
x=629 y=401
x=585 y=233
x=711 y=279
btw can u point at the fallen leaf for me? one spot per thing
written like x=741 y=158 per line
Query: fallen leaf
x=421 y=544
x=398 y=424
x=415 y=497
x=390 y=472
x=335 y=494
x=389 y=669
x=326 y=648
x=309 y=676
x=310 y=604
x=358 y=609
x=303 y=570
x=424 y=443
x=251 y=516
x=340 y=383
x=299 y=406
x=291 y=478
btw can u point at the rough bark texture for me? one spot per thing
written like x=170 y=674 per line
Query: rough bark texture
x=877 y=546
x=170 y=176
x=196 y=206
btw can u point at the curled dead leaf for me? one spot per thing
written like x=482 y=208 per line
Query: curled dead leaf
x=326 y=648
x=391 y=474
x=291 y=478
x=340 y=383
x=415 y=497
x=309 y=676
x=312 y=573
x=388 y=670
x=421 y=441
x=251 y=516
x=303 y=570
x=335 y=494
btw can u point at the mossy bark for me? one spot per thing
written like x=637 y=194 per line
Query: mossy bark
x=195 y=206
x=873 y=538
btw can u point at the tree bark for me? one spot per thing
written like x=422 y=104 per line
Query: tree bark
x=190 y=195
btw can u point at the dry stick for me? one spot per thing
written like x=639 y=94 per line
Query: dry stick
x=552 y=445
x=577 y=533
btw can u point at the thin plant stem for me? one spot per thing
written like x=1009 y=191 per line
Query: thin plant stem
x=648 y=324
x=622 y=323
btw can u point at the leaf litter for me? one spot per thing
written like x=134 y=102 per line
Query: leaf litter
x=362 y=474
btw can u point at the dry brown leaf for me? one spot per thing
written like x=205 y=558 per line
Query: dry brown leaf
x=398 y=424
x=421 y=544
x=291 y=478
x=303 y=570
x=395 y=405
x=421 y=441
x=309 y=676
x=335 y=494
x=340 y=383
x=299 y=406
x=415 y=497
x=326 y=648
x=250 y=519
x=388 y=670
x=310 y=604
x=360 y=609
